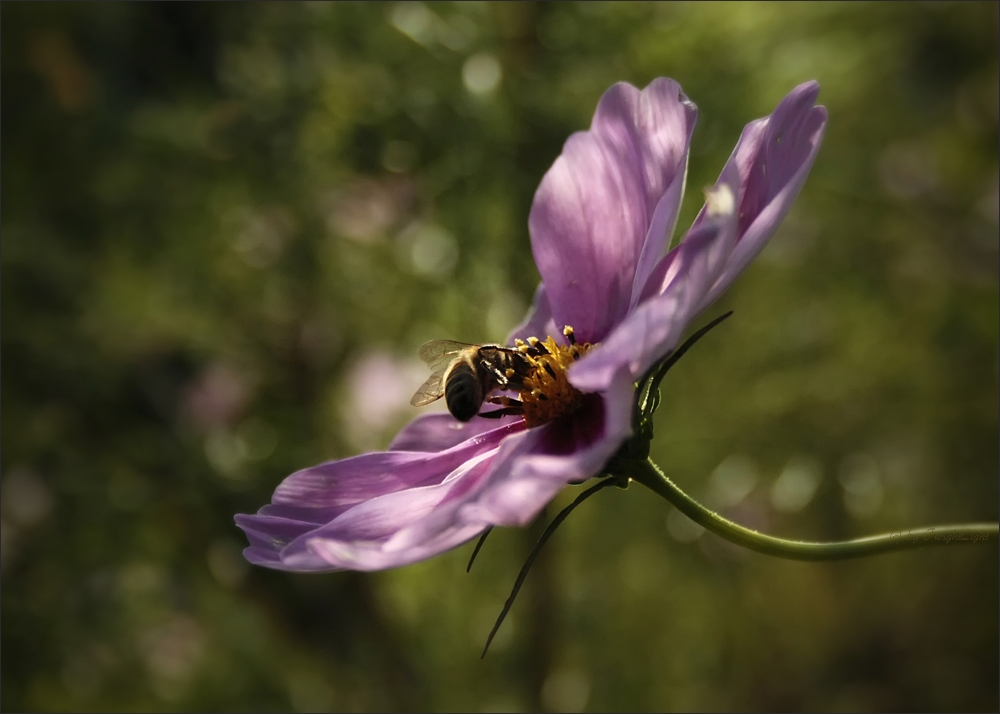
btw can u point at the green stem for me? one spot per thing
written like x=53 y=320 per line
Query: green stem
x=649 y=475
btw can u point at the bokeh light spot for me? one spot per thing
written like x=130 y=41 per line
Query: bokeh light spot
x=482 y=73
x=797 y=484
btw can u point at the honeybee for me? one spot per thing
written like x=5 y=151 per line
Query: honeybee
x=465 y=375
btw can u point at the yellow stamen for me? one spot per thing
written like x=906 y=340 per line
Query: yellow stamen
x=547 y=394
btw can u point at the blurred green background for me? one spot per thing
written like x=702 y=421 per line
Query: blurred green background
x=226 y=228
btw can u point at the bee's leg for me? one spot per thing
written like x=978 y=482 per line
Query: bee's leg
x=514 y=385
x=509 y=379
x=509 y=407
x=506 y=411
x=499 y=374
x=505 y=401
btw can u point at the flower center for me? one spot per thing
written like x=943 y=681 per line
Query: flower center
x=547 y=394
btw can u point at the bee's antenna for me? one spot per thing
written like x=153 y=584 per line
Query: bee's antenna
x=482 y=539
x=556 y=522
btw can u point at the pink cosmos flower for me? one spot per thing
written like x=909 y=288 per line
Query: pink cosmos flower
x=600 y=224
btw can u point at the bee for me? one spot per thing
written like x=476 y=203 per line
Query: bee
x=465 y=375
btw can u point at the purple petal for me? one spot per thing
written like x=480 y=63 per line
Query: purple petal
x=539 y=322
x=700 y=264
x=655 y=327
x=363 y=499
x=773 y=156
x=357 y=539
x=268 y=536
x=372 y=556
x=438 y=432
x=364 y=477
x=591 y=219
x=660 y=229
x=313 y=564
x=302 y=514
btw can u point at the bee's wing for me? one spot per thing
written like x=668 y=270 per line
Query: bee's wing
x=436 y=354
x=431 y=390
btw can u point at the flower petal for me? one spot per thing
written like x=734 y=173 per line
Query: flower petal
x=538 y=322
x=591 y=215
x=701 y=264
x=268 y=536
x=658 y=236
x=438 y=432
x=357 y=539
x=360 y=478
x=392 y=489
x=655 y=327
x=773 y=156
x=302 y=514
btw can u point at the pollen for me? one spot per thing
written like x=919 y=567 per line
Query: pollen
x=547 y=394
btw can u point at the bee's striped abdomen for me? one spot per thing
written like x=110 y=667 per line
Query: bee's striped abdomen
x=463 y=391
